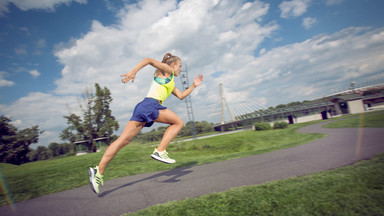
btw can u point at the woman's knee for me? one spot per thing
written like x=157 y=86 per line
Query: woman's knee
x=179 y=123
x=130 y=131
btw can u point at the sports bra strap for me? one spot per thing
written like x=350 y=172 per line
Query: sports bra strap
x=163 y=81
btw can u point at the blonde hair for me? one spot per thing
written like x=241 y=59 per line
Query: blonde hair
x=168 y=59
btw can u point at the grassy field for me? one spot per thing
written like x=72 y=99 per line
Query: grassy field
x=44 y=177
x=351 y=190
x=369 y=120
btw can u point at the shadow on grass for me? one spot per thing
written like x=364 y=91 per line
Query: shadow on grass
x=174 y=174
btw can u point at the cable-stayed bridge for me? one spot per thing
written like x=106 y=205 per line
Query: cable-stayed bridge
x=238 y=112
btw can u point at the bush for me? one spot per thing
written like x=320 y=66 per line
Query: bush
x=262 y=126
x=280 y=125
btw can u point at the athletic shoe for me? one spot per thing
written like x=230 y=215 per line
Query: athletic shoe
x=95 y=179
x=162 y=156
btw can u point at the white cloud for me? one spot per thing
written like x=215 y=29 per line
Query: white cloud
x=315 y=65
x=209 y=36
x=262 y=51
x=34 y=73
x=20 y=50
x=44 y=110
x=41 y=43
x=213 y=37
x=3 y=81
x=190 y=29
x=110 y=5
x=293 y=8
x=4 y=7
x=25 y=5
x=308 y=22
x=17 y=123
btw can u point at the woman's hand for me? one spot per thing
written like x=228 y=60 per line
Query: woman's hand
x=197 y=81
x=128 y=76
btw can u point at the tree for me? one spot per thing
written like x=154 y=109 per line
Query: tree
x=67 y=149
x=75 y=131
x=54 y=150
x=204 y=127
x=42 y=153
x=97 y=119
x=14 y=144
x=104 y=121
x=33 y=155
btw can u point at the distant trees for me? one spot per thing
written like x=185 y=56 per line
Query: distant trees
x=201 y=127
x=97 y=120
x=14 y=143
x=54 y=150
x=157 y=134
x=295 y=103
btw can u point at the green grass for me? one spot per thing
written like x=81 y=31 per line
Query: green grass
x=368 y=120
x=351 y=190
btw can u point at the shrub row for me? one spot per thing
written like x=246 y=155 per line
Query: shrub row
x=267 y=126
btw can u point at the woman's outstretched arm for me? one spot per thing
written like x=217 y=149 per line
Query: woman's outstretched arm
x=147 y=61
x=181 y=95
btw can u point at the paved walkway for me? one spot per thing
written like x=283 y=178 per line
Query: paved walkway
x=128 y=194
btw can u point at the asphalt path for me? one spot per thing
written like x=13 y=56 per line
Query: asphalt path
x=128 y=194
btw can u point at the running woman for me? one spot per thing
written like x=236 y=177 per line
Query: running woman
x=147 y=112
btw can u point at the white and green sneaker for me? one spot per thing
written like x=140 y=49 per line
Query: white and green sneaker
x=162 y=156
x=95 y=179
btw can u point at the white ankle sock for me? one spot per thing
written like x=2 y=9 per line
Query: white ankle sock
x=160 y=151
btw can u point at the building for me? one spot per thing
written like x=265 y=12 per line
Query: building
x=84 y=146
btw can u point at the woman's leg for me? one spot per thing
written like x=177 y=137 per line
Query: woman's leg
x=169 y=117
x=130 y=131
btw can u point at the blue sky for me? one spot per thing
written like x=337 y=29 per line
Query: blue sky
x=268 y=52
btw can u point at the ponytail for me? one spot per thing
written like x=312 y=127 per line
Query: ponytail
x=168 y=59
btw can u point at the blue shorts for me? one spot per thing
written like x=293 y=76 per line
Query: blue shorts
x=147 y=111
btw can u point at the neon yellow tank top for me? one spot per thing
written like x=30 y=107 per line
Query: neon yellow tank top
x=161 y=88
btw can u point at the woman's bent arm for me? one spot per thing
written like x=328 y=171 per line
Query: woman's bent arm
x=158 y=65
x=186 y=92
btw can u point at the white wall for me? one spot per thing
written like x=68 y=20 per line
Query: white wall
x=310 y=118
x=356 y=106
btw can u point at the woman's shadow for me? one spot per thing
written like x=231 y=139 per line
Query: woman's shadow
x=174 y=174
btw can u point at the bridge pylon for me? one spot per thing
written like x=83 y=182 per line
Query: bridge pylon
x=224 y=101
